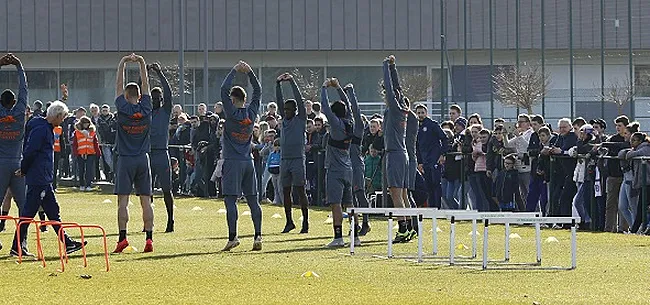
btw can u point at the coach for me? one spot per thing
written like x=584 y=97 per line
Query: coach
x=431 y=148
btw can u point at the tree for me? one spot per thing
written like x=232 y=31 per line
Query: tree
x=308 y=84
x=619 y=92
x=521 y=87
x=415 y=85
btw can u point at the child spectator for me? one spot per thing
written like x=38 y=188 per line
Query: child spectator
x=85 y=148
x=507 y=184
x=372 y=163
x=482 y=185
x=176 y=184
x=273 y=166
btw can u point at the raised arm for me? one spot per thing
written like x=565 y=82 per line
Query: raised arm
x=164 y=83
x=358 y=123
x=144 y=75
x=21 y=103
x=228 y=106
x=300 y=100
x=325 y=103
x=394 y=77
x=279 y=97
x=344 y=98
x=119 y=83
x=391 y=100
x=257 y=89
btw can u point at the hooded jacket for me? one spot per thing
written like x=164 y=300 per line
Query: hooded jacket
x=38 y=155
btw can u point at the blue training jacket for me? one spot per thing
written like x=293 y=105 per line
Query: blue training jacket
x=38 y=155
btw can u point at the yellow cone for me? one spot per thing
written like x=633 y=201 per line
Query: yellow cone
x=461 y=247
x=310 y=274
x=129 y=250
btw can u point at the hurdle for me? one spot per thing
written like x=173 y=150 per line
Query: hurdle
x=435 y=214
x=37 y=225
x=537 y=221
x=386 y=212
x=474 y=217
x=81 y=228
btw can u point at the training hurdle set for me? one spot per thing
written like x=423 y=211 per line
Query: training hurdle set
x=63 y=255
x=454 y=216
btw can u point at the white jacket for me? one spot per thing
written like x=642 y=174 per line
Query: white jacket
x=520 y=144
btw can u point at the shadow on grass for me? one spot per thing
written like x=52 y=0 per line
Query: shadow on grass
x=226 y=237
x=167 y=256
x=297 y=239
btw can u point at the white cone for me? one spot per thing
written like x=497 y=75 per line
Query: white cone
x=246 y=213
x=222 y=211
x=329 y=220
x=107 y=201
x=276 y=216
x=552 y=239
x=197 y=209
x=514 y=236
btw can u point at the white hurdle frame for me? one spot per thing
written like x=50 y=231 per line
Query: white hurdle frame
x=537 y=221
x=434 y=214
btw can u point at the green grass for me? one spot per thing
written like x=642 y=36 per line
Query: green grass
x=186 y=267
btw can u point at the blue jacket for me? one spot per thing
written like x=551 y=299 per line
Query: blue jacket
x=38 y=154
x=431 y=142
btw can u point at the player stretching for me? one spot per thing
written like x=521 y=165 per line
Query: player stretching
x=159 y=157
x=238 y=169
x=292 y=144
x=338 y=186
x=133 y=146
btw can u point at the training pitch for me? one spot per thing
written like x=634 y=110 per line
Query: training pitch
x=187 y=267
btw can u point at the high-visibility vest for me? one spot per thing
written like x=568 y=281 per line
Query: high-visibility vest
x=85 y=144
x=58 y=130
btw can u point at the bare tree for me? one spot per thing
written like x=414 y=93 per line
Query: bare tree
x=521 y=87
x=415 y=85
x=620 y=92
x=308 y=84
x=172 y=73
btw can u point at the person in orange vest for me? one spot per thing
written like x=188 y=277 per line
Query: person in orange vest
x=58 y=142
x=85 y=149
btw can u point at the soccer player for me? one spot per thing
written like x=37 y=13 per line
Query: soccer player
x=395 y=118
x=338 y=186
x=292 y=144
x=12 y=131
x=356 y=158
x=238 y=169
x=37 y=166
x=159 y=157
x=133 y=146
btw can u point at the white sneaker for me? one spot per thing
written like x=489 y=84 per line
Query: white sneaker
x=230 y=245
x=82 y=188
x=336 y=243
x=257 y=244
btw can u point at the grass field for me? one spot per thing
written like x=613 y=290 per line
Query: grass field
x=187 y=268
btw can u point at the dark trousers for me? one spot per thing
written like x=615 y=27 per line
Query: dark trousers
x=563 y=190
x=39 y=196
x=432 y=178
x=537 y=194
x=57 y=158
x=65 y=163
x=86 y=169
